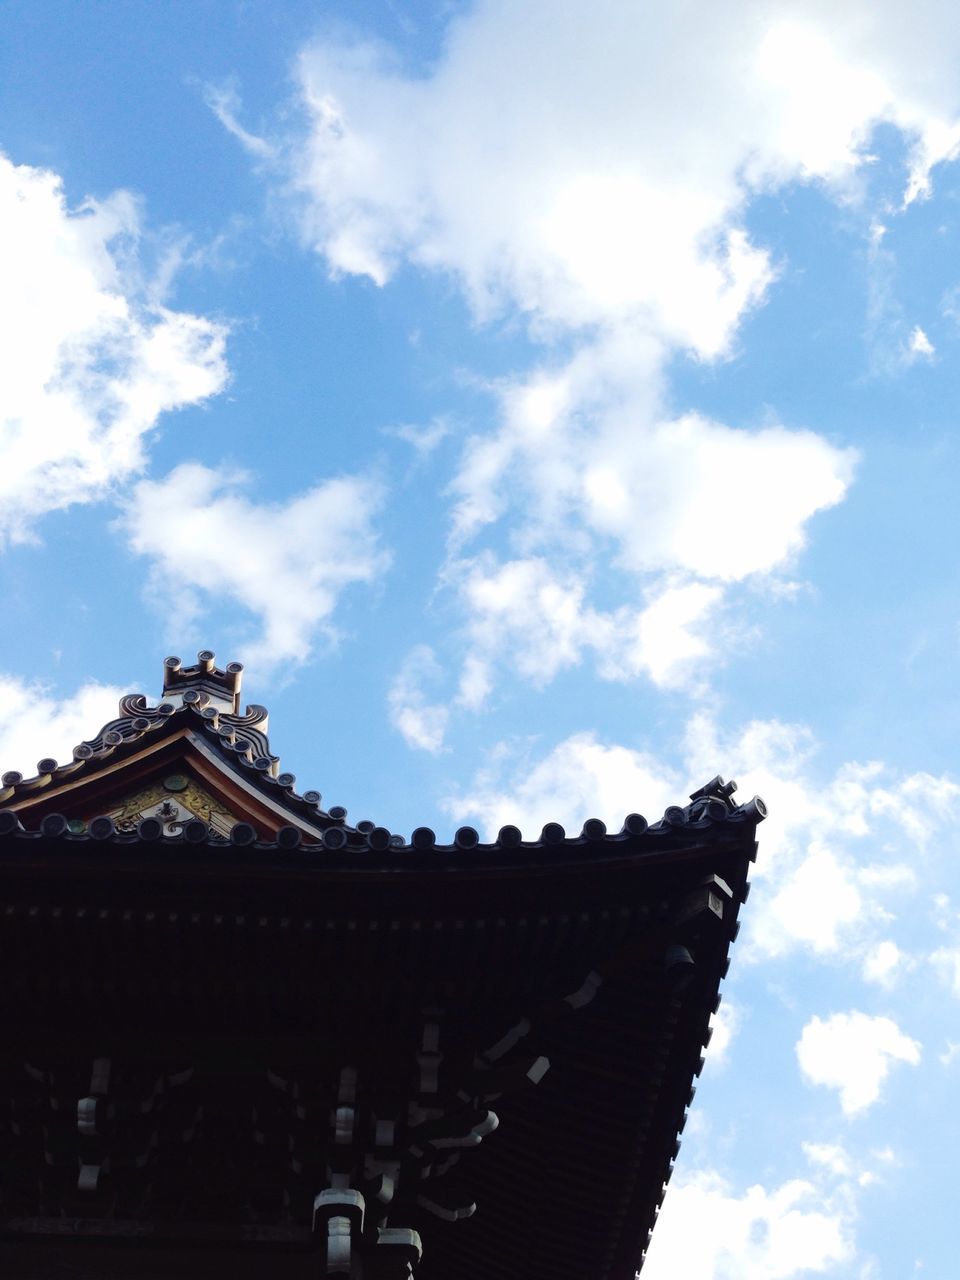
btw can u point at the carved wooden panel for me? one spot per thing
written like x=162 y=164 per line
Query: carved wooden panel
x=174 y=800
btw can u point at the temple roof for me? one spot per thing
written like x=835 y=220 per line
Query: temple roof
x=200 y=708
x=172 y=910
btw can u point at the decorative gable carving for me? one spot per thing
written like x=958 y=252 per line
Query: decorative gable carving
x=173 y=802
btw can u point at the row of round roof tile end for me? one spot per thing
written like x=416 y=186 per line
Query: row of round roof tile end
x=376 y=838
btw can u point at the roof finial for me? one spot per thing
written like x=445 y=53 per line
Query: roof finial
x=215 y=688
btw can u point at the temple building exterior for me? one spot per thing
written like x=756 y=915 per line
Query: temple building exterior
x=244 y=1037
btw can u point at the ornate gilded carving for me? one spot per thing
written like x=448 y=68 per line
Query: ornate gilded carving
x=174 y=807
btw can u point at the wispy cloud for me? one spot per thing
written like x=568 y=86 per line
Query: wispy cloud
x=223 y=100
x=423 y=438
x=618 y=256
x=422 y=723
x=286 y=563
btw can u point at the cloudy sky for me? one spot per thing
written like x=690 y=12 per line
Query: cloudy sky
x=553 y=405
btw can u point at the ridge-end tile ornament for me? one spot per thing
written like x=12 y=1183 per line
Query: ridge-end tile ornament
x=245 y=1033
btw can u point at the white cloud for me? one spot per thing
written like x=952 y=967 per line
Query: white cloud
x=521 y=607
x=611 y=215
x=725 y=1024
x=833 y=852
x=35 y=725
x=526 y=615
x=579 y=779
x=739 y=512
x=612 y=197
x=853 y=1053
x=424 y=438
x=224 y=101
x=681 y=495
x=883 y=962
x=836 y=1160
x=829 y=1155
x=818 y=899
x=919 y=346
x=686 y=506
x=762 y=1234
x=475 y=682
x=943 y=914
x=91 y=356
x=946 y=961
x=834 y=848
x=287 y=563
x=669 y=635
x=422 y=724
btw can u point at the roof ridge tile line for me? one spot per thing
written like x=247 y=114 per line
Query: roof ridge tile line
x=137 y=718
x=269 y=776
x=467 y=839
x=357 y=842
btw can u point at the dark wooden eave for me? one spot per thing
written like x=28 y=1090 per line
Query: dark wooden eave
x=291 y=948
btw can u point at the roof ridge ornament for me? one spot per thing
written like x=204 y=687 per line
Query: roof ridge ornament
x=208 y=685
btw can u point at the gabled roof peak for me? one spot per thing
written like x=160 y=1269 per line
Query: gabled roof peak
x=201 y=704
x=203 y=684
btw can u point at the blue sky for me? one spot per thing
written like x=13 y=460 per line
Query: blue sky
x=552 y=406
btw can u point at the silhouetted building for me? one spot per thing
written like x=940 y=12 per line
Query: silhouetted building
x=243 y=1037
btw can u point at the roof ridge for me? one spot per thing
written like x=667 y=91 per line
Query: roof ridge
x=210 y=699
